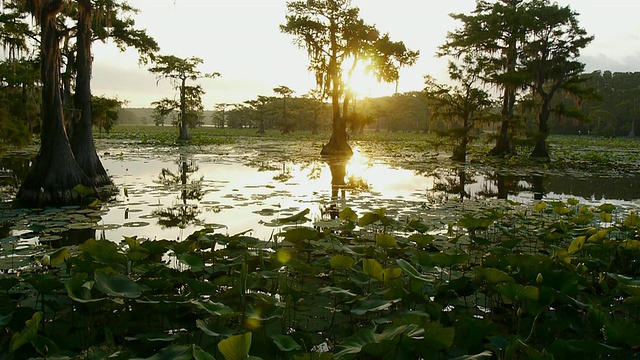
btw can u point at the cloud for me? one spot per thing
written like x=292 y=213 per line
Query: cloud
x=604 y=62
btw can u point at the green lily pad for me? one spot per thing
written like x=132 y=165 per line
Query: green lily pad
x=135 y=224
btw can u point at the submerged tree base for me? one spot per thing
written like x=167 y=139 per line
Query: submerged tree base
x=334 y=148
x=540 y=151
x=502 y=148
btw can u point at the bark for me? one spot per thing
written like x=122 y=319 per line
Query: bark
x=503 y=146
x=540 y=151
x=82 y=142
x=184 y=129
x=261 y=129
x=55 y=171
x=337 y=145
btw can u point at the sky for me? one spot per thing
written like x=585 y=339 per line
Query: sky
x=241 y=40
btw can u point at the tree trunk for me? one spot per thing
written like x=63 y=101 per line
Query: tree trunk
x=261 y=129
x=337 y=145
x=82 y=143
x=55 y=171
x=184 y=129
x=503 y=147
x=540 y=151
x=67 y=99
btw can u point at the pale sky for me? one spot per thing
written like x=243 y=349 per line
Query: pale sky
x=241 y=40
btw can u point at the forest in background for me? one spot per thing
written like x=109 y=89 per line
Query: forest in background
x=613 y=112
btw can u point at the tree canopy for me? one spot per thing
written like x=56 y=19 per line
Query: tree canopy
x=178 y=71
x=333 y=33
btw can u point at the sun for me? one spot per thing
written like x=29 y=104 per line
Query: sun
x=363 y=84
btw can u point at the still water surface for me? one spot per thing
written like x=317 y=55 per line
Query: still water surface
x=168 y=196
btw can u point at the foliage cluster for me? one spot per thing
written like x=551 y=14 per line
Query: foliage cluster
x=555 y=280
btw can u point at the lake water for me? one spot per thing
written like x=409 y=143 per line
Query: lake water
x=164 y=195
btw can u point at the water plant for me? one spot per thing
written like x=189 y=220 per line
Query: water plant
x=551 y=280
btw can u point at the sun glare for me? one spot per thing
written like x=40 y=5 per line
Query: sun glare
x=363 y=84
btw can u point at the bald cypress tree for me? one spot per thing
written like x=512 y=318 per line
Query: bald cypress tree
x=55 y=171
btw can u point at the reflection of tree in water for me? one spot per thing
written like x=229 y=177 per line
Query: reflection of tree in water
x=284 y=175
x=181 y=213
x=13 y=170
x=501 y=186
x=340 y=185
x=453 y=181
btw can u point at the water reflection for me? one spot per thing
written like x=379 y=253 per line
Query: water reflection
x=347 y=177
x=171 y=196
x=454 y=182
x=185 y=211
x=13 y=168
x=69 y=237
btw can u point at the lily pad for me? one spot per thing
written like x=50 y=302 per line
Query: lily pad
x=135 y=224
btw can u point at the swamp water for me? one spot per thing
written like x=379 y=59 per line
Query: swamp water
x=163 y=194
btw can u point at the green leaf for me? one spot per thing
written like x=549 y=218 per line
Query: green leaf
x=199 y=354
x=135 y=251
x=300 y=234
x=27 y=334
x=103 y=251
x=599 y=236
x=45 y=346
x=297 y=218
x=473 y=224
x=235 y=347
x=285 y=343
x=58 y=257
x=606 y=217
x=372 y=268
x=632 y=221
x=354 y=344
x=630 y=289
x=517 y=292
x=577 y=244
x=573 y=201
x=373 y=305
x=213 y=330
x=80 y=290
x=622 y=333
x=437 y=336
x=386 y=241
x=341 y=262
x=4 y=320
x=449 y=259
x=347 y=214
x=214 y=308
x=607 y=208
x=483 y=355
x=366 y=340
x=561 y=209
x=412 y=272
x=161 y=337
x=336 y=291
x=540 y=207
x=494 y=276
x=390 y=273
x=194 y=261
x=423 y=240
x=174 y=352
x=117 y=286
x=368 y=219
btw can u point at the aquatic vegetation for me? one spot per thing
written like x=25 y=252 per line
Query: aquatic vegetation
x=551 y=279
